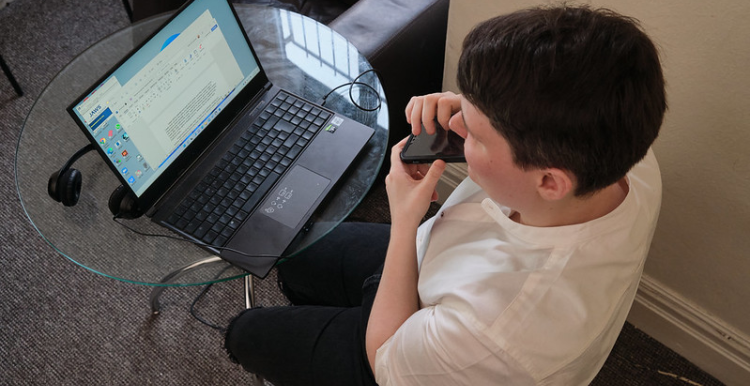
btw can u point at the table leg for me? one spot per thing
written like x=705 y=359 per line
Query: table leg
x=249 y=291
x=156 y=292
x=10 y=76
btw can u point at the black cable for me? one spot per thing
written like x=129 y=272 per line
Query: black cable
x=199 y=297
x=377 y=95
x=351 y=96
x=208 y=286
x=200 y=319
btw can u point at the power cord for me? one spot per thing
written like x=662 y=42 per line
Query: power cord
x=198 y=298
x=351 y=87
x=205 y=289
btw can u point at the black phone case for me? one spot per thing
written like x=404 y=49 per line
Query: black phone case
x=444 y=145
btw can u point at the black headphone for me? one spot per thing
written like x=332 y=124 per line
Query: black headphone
x=65 y=186
x=123 y=204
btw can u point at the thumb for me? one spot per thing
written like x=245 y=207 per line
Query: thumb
x=436 y=170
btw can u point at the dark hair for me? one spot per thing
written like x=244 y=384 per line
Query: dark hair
x=567 y=87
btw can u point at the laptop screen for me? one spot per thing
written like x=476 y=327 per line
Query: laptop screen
x=154 y=105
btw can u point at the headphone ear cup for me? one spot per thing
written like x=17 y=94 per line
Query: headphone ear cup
x=123 y=204
x=71 y=183
x=129 y=207
x=115 y=198
x=65 y=188
x=52 y=186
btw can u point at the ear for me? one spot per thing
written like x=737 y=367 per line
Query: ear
x=554 y=184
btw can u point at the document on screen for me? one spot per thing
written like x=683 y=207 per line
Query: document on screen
x=165 y=102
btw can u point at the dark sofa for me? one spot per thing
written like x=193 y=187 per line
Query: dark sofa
x=404 y=40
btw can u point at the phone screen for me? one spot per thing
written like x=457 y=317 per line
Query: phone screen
x=424 y=148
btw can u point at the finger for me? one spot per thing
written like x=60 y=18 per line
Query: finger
x=416 y=115
x=448 y=105
x=455 y=124
x=429 y=110
x=396 y=152
x=423 y=168
x=436 y=170
x=444 y=115
x=409 y=108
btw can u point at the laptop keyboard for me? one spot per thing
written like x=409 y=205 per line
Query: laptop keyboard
x=217 y=206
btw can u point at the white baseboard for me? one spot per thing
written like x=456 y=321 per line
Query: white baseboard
x=699 y=337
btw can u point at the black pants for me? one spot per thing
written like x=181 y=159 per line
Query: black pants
x=321 y=339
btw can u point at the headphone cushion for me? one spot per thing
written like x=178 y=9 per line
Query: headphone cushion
x=68 y=187
x=115 y=198
x=52 y=186
x=123 y=205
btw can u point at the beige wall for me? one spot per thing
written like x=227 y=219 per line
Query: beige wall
x=701 y=249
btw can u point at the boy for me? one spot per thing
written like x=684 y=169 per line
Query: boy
x=526 y=275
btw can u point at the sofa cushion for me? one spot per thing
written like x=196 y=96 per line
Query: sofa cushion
x=323 y=11
x=404 y=40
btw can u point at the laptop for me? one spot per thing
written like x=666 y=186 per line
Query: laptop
x=191 y=125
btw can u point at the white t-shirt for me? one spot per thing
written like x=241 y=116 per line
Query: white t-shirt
x=508 y=304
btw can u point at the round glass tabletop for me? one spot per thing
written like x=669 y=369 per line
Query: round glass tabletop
x=299 y=55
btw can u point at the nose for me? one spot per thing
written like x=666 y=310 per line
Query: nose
x=456 y=124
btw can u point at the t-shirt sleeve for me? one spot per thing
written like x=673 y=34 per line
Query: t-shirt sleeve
x=436 y=346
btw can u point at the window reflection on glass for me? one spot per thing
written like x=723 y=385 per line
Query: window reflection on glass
x=308 y=44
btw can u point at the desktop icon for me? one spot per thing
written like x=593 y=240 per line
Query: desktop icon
x=124 y=171
x=131 y=180
x=124 y=153
x=103 y=141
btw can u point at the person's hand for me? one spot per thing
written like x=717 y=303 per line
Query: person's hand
x=424 y=110
x=411 y=188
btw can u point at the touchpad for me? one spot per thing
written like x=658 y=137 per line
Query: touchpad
x=294 y=196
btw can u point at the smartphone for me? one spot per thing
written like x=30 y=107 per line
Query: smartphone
x=424 y=148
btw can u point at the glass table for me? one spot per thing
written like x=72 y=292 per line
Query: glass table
x=299 y=54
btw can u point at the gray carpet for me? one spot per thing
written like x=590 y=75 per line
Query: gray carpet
x=63 y=325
